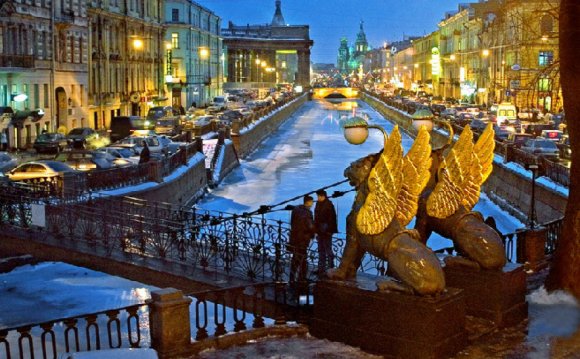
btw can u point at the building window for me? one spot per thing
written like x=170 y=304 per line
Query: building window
x=546 y=25
x=45 y=93
x=175 y=40
x=545 y=58
x=544 y=84
x=36 y=96
x=175 y=15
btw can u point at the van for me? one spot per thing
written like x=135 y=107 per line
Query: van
x=504 y=113
x=123 y=126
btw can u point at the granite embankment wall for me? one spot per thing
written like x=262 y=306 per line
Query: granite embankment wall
x=506 y=186
x=179 y=188
x=247 y=139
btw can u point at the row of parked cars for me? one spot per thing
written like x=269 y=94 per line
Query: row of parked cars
x=538 y=136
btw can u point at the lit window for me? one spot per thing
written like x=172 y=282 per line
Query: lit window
x=175 y=40
x=545 y=58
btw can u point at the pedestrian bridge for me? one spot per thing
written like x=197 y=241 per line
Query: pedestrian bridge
x=335 y=92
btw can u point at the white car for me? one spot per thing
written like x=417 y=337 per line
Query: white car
x=121 y=153
x=156 y=148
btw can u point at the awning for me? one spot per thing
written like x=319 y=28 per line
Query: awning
x=20 y=116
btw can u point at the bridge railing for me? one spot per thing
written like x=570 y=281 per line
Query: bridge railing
x=212 y=314
x=125 y=327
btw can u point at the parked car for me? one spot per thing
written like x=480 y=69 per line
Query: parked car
x=219 y=103
x=505 y=113
x=169 y=126
x=518 y=139
x=81 y=137
x=84 y=160
x=542 y=148
x=156 y=148
x=7 y=162
x=564 y=146
x=50 y=142
x=478 y=124
x=124 y=126
x=502 y=132
x=552 y=135
x=463 y=118
x=38 y=170
x=127 y=153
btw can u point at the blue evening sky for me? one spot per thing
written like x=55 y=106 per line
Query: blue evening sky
x=330 y=20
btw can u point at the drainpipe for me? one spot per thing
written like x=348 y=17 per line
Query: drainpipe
x=53 y=109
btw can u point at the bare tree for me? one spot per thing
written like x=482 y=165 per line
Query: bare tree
x=565 y=270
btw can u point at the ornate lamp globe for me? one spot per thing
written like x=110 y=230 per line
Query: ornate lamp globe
x=356 y=130
x=423 y=117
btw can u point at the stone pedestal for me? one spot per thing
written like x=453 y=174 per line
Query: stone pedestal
x=388 y=323
x=531 y=248
x=498 y=296
x=169 y=322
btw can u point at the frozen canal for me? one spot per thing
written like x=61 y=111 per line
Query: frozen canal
x=308 y=152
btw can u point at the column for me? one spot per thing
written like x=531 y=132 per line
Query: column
x=303 y=77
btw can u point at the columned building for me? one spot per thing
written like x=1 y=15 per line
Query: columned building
x=126 y=50
x=261 y=56
x=194 y=58
x=43 y=68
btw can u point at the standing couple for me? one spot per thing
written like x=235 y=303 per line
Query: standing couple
x=303 y=228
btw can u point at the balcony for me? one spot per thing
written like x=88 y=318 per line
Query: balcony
x=23 y=61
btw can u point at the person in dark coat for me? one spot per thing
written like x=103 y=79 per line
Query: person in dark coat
x=325 y=223
x=145 y=154
x=301 y=232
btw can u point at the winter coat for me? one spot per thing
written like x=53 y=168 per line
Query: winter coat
x=325 y=217
x=302 y=226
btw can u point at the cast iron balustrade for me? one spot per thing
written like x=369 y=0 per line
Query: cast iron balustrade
x=215 y=313
x=125 y=327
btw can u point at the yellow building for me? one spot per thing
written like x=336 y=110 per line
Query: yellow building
x=522 y=40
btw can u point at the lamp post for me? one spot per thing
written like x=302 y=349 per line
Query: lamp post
x=532 y=218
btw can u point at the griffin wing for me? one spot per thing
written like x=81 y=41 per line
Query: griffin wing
x=460 y=177
x=384 y=184
x=416 y=165
x=484 y=151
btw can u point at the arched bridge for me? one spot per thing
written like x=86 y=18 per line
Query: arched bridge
x=335 y=92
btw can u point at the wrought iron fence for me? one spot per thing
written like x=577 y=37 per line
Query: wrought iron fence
x=126 y=327
x=218 y=312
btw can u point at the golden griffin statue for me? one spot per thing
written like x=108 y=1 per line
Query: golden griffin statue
x=388 y=189
x=392 y=189
x=447 y=202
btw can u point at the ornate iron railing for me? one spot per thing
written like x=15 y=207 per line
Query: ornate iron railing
x=215 y=313
x=125 y=327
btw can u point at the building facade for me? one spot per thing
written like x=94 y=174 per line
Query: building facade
x=43 y=68
x=261 y=56
x=125 y=59
x=194 y=56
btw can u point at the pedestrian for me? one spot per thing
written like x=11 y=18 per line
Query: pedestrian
x=325 y=224
x=301 y=232
x=4 y=140
x=145 y=154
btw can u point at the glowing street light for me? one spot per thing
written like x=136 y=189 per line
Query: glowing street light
x=485 y=53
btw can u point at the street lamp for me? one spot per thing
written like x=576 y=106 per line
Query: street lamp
x=204 y=54
x=356 y=130
x=532 y=218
